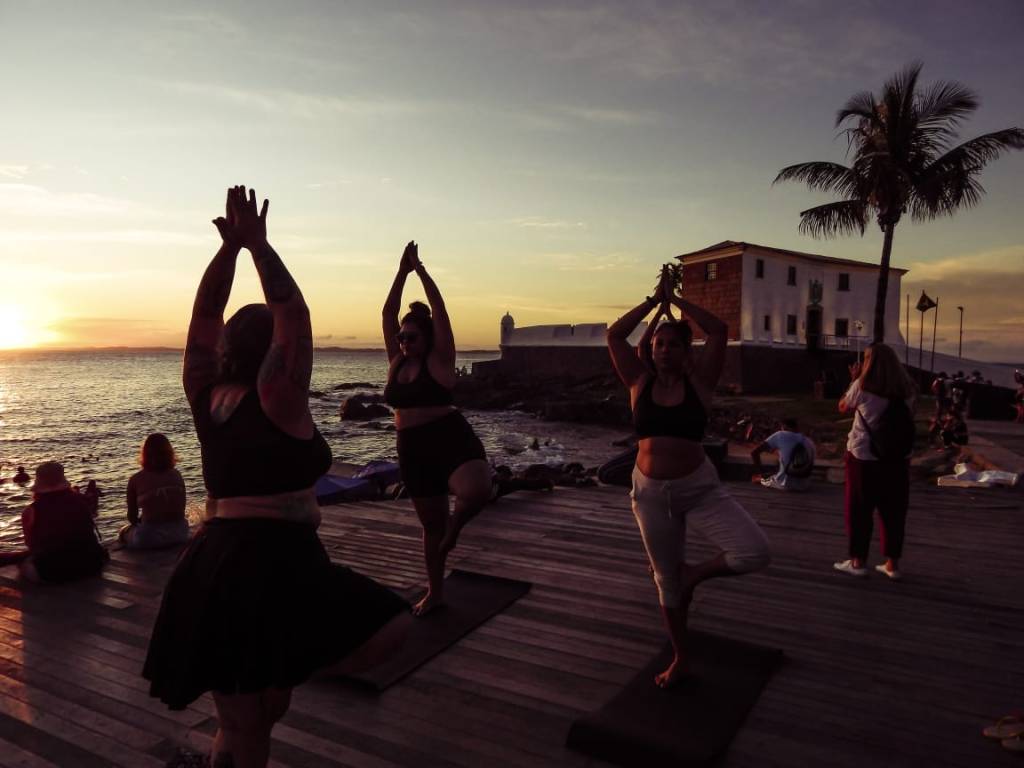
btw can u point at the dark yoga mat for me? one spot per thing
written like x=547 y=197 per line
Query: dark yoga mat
x=691 y=724
x=470 y=600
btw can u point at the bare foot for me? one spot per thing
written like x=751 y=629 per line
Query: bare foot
x=675 y=672
x=427 y=604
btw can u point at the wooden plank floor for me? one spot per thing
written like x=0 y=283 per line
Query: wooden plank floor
x=878 y=673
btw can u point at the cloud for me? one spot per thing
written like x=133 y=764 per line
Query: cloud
x=539 y=222
x=14 y=171
x=30 y=200
x=292 y=103
x=119 y=236
x=988 y=285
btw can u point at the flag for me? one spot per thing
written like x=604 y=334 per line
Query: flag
x=924 y=303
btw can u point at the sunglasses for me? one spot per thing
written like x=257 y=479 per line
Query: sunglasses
x=411 y=338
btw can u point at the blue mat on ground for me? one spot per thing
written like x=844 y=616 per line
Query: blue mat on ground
x=470 y=600
x=332 y=489
x=691 y=724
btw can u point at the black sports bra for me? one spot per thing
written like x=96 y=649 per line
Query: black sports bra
x=687 y=420
x=249 y=455
x=422 y=391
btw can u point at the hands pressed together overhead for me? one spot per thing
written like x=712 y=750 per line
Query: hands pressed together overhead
x=242 y=225
x=410 y=258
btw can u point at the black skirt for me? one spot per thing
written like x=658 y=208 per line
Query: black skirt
x=255 y=604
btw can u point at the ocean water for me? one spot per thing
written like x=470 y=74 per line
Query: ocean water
x=91 y=410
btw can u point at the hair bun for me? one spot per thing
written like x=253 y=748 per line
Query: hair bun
x=419 y=309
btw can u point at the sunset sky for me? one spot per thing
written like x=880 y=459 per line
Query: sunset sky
x=547 y=156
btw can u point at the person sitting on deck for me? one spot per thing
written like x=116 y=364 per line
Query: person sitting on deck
x=156 y=499
x=60 y=535
x=796 y=458
x=674 y=483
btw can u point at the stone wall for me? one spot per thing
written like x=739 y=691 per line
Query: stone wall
x=748 y=369
x=721 y=297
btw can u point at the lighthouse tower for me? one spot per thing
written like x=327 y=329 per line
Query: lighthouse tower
x=507 y=326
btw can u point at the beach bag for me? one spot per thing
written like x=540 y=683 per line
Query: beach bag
x=800 y=462
x=893 y=438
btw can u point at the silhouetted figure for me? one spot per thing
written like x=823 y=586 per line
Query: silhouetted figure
x=60 y=535
x=438 y=452
x=675 y=486
x=254 y=605
x=21 y=477
x=878 y=450
x=156 y=499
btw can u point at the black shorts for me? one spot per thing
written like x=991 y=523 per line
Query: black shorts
x=429 y=453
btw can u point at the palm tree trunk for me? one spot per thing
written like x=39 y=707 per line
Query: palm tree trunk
x=883 y=284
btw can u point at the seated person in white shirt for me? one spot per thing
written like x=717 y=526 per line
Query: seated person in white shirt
x=796 y=458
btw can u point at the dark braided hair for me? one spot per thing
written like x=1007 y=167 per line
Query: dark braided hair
x=247 y=338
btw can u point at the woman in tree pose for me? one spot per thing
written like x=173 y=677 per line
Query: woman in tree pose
x=674 y=483
x=437 y=450
x=254 y=605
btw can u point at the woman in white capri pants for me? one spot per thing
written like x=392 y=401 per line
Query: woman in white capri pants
x=674 y=484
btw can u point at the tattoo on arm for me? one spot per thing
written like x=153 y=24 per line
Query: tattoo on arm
x=202 y=364
x=278 y=285
x=291 y=363
x=215 y=287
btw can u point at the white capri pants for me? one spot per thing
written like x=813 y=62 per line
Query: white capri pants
x=664 y=508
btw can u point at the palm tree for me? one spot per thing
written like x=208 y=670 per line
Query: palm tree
x=902 y=162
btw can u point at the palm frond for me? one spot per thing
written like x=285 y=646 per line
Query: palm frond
x=944 y=196
x=860 y=106
x=944 y=105
x=823 y=176
x=846 y=217
x=978 y=152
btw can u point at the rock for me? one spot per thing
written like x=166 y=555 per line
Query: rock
x=363 y=408
x=356 y=385
x=316 y=394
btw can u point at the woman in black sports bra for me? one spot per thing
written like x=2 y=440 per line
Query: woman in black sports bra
x=438 y=452
x=254 y=605
x=674 y=484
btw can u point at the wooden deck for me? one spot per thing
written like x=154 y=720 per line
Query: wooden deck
x=878 y=673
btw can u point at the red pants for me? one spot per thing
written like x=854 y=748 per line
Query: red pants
x=884 y=485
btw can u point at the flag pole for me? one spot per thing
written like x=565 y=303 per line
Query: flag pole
x=920 y=346
x=906 y=336
x=935 y=326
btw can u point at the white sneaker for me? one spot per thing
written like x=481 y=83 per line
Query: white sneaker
x=894 y=575
x=847 y=566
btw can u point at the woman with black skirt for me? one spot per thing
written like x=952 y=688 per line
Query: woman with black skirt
x=254 y=605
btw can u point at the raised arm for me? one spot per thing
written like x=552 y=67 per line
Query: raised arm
x=283 y=381
x=393 y=303
x=444 y=341
x=627 y=362
x=202 y=362
x=712 y=358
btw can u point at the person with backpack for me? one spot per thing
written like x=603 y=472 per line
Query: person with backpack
x=881 y=399
x=796 y=458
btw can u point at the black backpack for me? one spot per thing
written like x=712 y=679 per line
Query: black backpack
x=893 y=437
x=800 y=463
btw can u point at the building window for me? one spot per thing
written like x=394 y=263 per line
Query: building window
x=844 y=281
x=791 y=325
x=767 y=322
x=710 y=271
x=791 y=276
x=842 y=327
x=759 y=268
